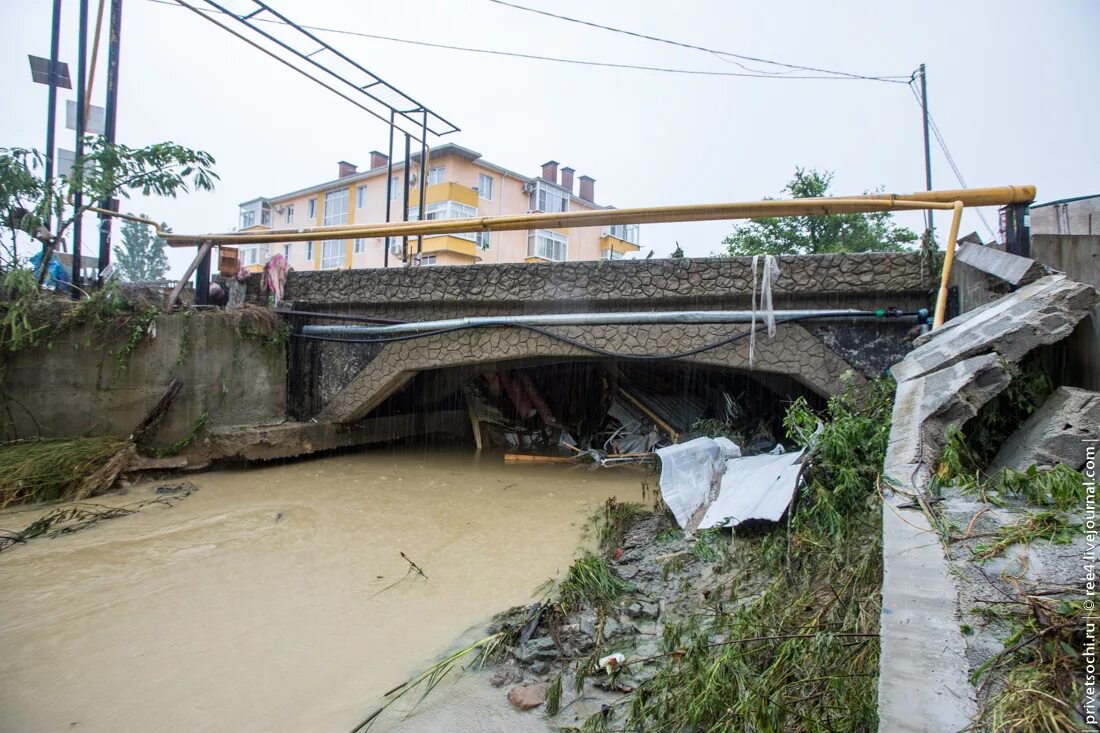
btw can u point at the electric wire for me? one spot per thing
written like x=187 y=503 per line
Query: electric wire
x=946 y=153
x=555 y=59
x=574 y=342
x=894 y=79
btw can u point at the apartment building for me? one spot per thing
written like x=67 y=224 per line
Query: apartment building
x=460 y=184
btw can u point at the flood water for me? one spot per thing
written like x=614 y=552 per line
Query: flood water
x=276 y=599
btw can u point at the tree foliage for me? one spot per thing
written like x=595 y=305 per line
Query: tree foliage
x=105 y=171
x=141 y=256
x=795 y=235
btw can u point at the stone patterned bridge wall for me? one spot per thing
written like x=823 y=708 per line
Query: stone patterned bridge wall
x=344 y=382
x=819 y=281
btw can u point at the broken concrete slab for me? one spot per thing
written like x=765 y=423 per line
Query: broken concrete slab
x=1043 y=312
x=1013 y=269
x=927 y=407
x=1054 y=434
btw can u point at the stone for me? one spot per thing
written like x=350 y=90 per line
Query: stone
x=539 y=669
x=526 y=697
x=1013 y=269
x=542 y=648
x=1041 y=313
x=1054 y=434
x=927 y=407
x=642 y=609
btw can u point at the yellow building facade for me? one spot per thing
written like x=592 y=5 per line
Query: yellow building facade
x=460 y=184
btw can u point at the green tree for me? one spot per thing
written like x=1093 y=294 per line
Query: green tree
x=792 y=235
x=141 y=256
x=105 y=171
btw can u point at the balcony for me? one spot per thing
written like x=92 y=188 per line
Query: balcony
x=444 y=192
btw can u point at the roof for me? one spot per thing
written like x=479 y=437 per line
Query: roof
x=436 y=152
x=1066 y=201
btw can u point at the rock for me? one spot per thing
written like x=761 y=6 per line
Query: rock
x=1043 y=312
x=1054 y=434
x=539 y=669
x=507 y=674
x=928 y=406
x=642 y=609
x=542 y=648
x=626 y=572
x=526 y=697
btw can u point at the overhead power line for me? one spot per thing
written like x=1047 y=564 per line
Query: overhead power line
x=555 y=59
x=897 y=79
x=947 y=155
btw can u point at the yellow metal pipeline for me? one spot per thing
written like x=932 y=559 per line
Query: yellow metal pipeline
x=606 y=217
x=948 y=262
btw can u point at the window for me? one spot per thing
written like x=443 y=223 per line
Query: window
x=336 y=208
x=427 y=260
x=360 y=246
x=395 y=188
x=250 y=255
x=548 y=245
x=610 y=254
x=394 y=243
x=625 y=232
x=360 y=197
x=286 y=252
x=289 y=214
x=312 y=209
x=248 y=218
x=332 y=254
x=447 y=210
x=483 y=240
x=549 y=199
x=265 y=215
x=435 y=175
x=309 y=251
x=485 y=187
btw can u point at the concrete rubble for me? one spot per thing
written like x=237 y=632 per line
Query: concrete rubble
x=1054 y=434
x=943 y=382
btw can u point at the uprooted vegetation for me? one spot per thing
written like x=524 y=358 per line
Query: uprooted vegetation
x=60 y=470
x=1015 y=546
x=772 y=628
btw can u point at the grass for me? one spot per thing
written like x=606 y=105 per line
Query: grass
x=1050 y=526
x=52 y=470
x=590 y=583
x=613 y=522
x=803 y=654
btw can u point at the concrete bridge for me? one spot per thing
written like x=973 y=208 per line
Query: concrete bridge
x=342 y=383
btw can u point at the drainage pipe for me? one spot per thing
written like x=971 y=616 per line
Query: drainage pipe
x=592 y=319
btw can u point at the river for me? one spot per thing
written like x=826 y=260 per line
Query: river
x=276 y=598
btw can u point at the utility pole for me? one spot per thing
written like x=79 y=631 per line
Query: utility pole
x=109 y=123
x=81 y=94
x=927 y=145
x=51 y=125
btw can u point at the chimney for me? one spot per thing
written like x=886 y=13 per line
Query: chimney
x=588 y=189
x=550 y=171
x=378 y=160
x=567 y=178
x=347 y=169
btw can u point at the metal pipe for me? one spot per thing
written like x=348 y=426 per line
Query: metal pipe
x=405 y=201
x=81 y=122
x=648 y=215
x=948 y=262
x=422 y=212
x=51 y=124
x=582 y=319
x=110 y=120
x=927 y=145
x=389 y=196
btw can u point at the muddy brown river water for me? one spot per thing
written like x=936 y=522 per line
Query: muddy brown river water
x=268 y=600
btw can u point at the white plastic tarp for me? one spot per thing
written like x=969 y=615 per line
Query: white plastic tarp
x=754 y=487
x=690 y=475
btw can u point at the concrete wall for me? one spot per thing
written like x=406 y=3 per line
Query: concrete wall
x=75 y=387
x=1078 y=257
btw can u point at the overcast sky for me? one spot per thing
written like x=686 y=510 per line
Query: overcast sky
x=1012 y=86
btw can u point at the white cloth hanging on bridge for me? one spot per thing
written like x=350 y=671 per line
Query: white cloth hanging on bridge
x=768 y=277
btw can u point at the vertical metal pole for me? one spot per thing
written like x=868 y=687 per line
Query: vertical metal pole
x=202 y=279
x=423 y=182
x=405 y=200
x=927 y=143
x=81 y=92
x=389 y=189
x=51 y=121
x=109 y=124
